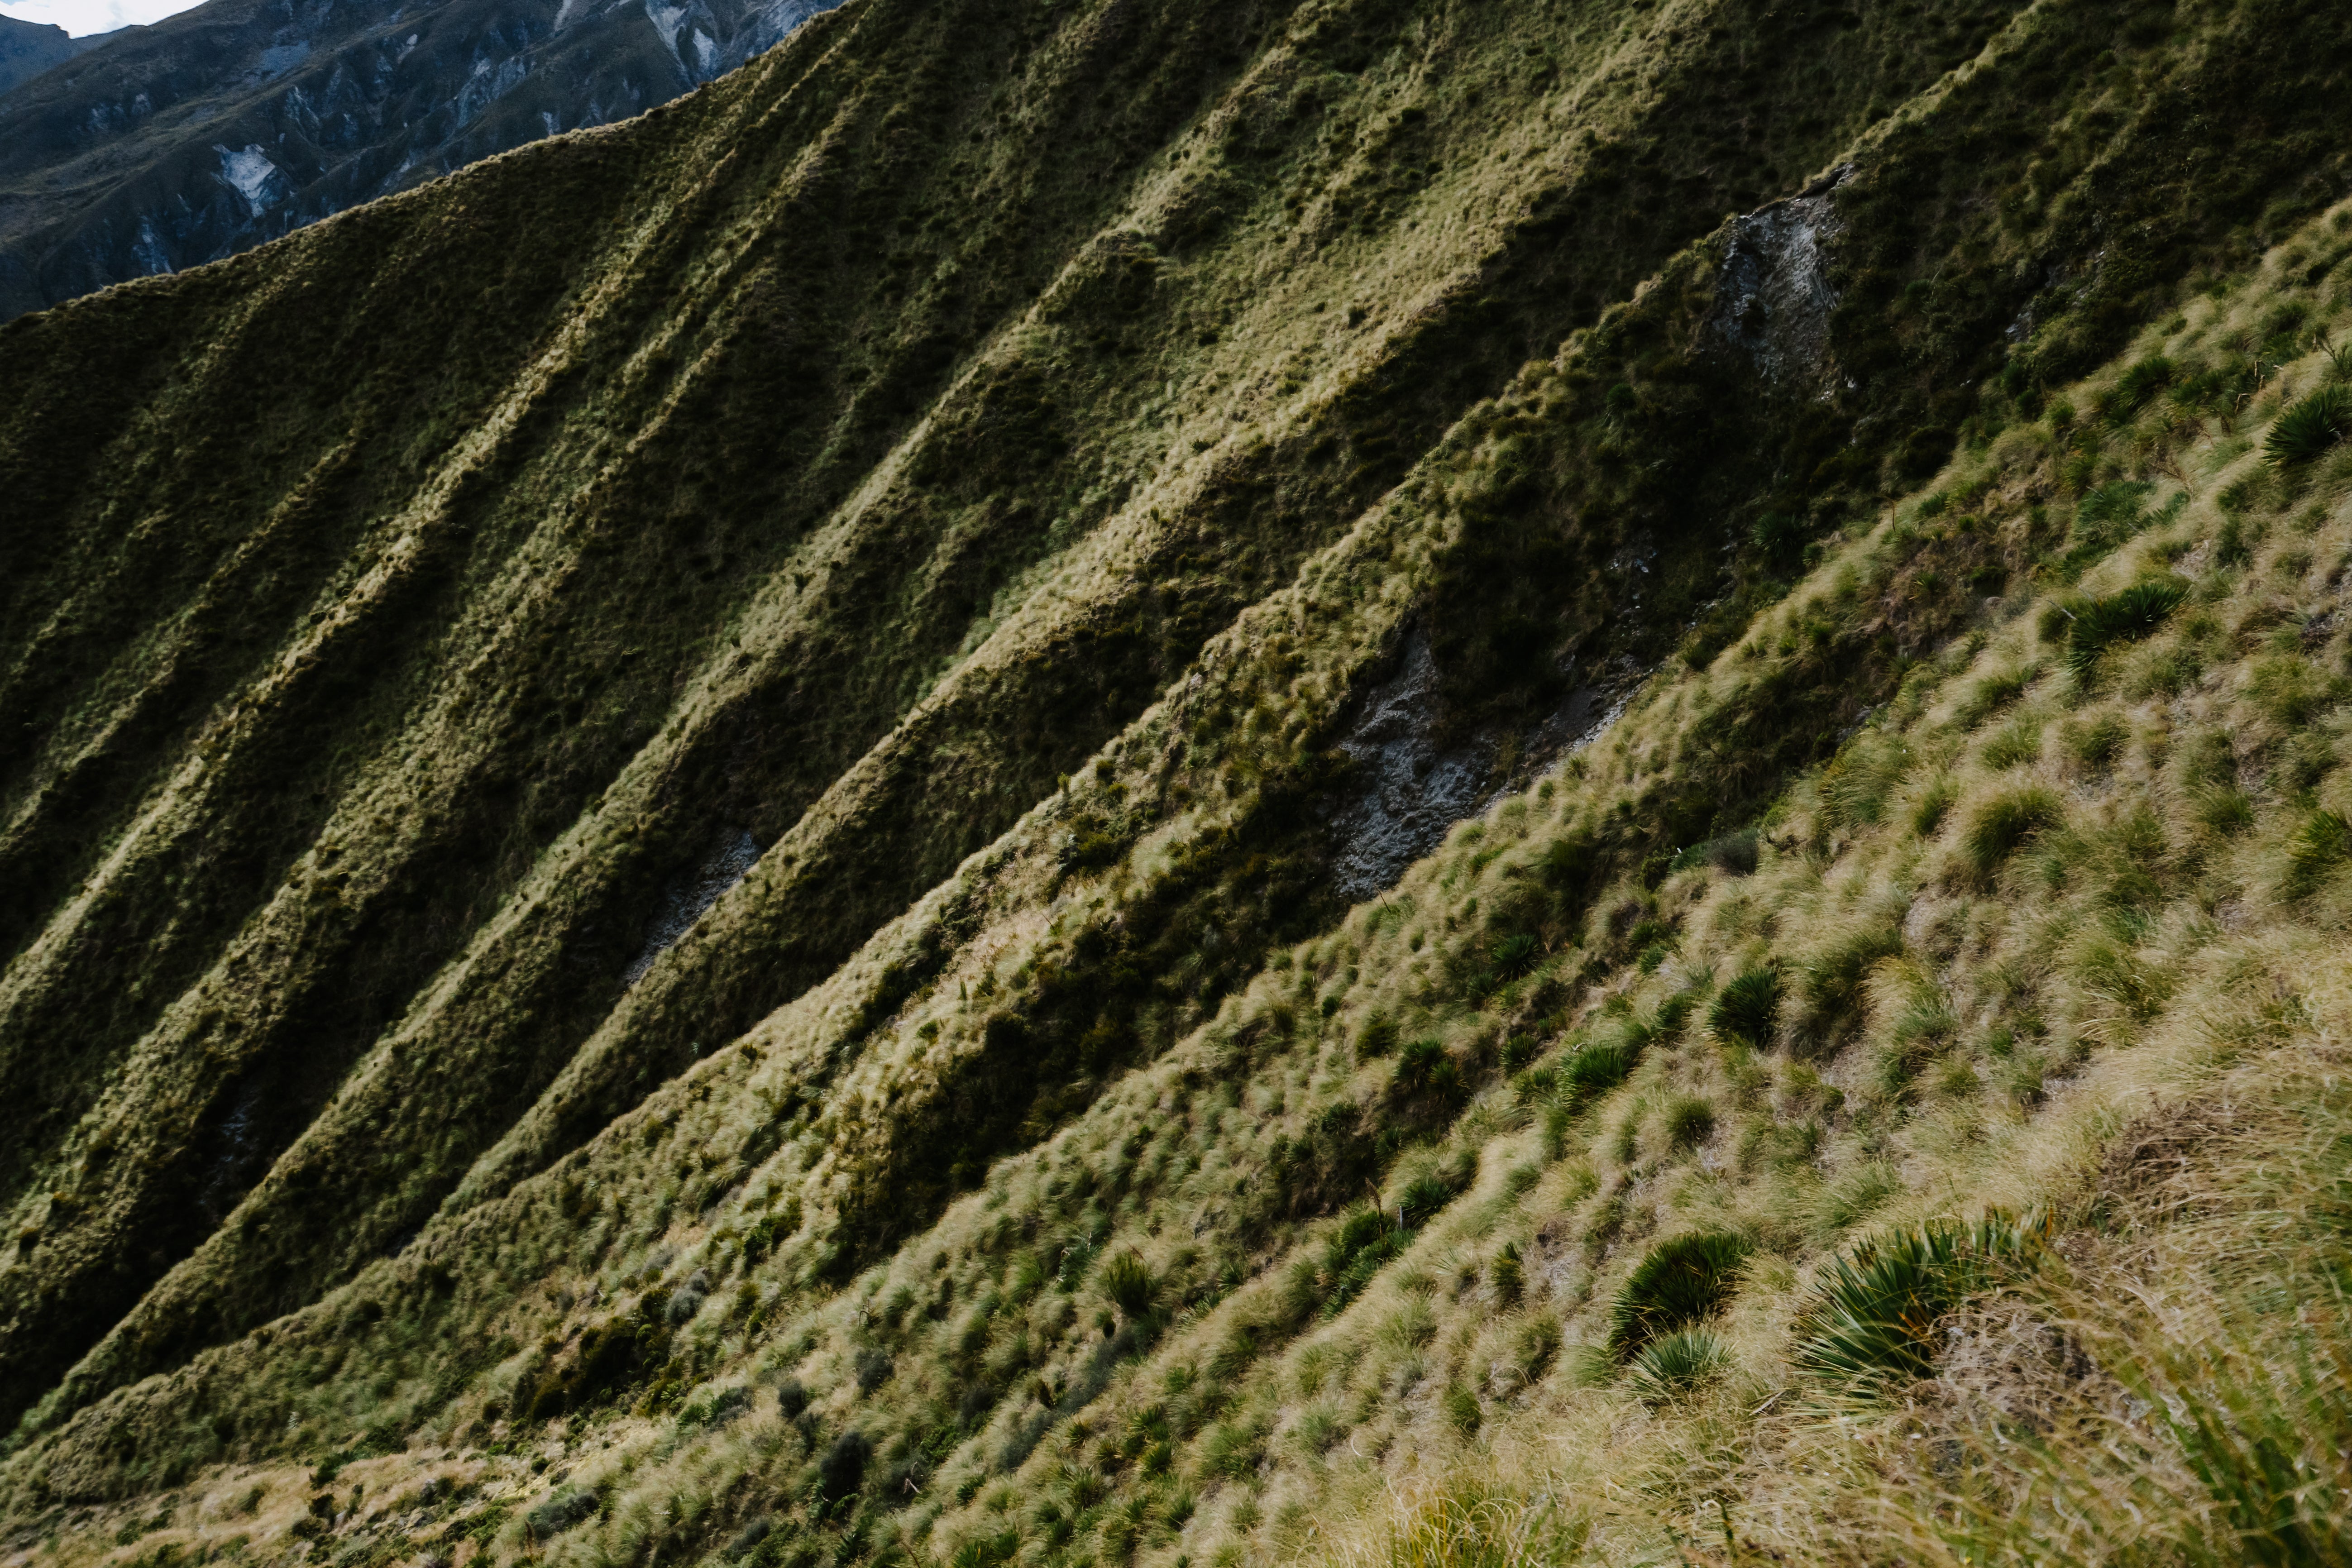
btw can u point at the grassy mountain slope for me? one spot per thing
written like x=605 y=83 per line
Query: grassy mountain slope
x=719 y=549
x=1031 y=1154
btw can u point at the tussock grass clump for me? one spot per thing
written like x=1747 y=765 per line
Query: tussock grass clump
x=1856 y=1194
x=1932 y=803
x=1733 y=853
x=1749 y=1009
x=1596 y=1069
x=2018 y=743
x=2135 y=388
x=1832 y=983
x=1690 y=1121
x=1507 y=1275
x=2096 y=744
x=1126 y=1282
x=2106 y=517
x=1989 y=696
x=2320 y=846
x=1677 y=1283
x=1364 y=1244
x=1878 y=1307
x=567 y=1507
x=1423 y=1196
x=1426 y=1070
x=2311 y=428
x=1472 y=1522
x=2001 y=825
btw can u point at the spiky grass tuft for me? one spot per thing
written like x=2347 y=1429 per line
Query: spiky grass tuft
x=2125 y=616
x=2310 y=428
x=1126 y=1282
x=1675 y=1364
x=1878 y=1307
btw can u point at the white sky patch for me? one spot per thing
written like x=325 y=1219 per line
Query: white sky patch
x=82 y=17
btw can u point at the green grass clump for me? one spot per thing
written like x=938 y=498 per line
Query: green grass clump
x=2135 y=387
x=1425 y=1069
x=2098 y=744
x=1423 y=1196
x=1507 y=1275
x=1126 y=1281
x=1690 y=1121
x=1597 y=1068
x=2017 y=743
x=559 y=1512
x=1364 y=1244
x=2111 y=513
x=2310 y=428
x=1749 y=1008
x=1933 y=802
x=1878 y=1308
x=1675 y=1364
x=1989 y=696
x=1680 y=1281
x=1830 y=985
x=1733 y=853
x=1516 y=955
x=2223 y=810
x=1998 y=827
x=2322 y=844
x=2121 y=616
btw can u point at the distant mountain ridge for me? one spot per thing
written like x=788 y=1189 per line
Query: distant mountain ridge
x=239 y=120
x=28 y=48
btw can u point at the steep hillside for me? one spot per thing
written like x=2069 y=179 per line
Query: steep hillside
x=1071 y=782
x=237 y=122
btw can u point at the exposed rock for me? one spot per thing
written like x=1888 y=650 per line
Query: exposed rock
x=690 y=894
x=1773 y=297
x=1414 y=791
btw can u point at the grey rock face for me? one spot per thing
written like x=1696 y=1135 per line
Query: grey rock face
x=241 y=119
x=1774 y=294
x=1411 y=790
x=689 y=896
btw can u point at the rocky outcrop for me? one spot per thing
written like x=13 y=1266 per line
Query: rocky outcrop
x=1412 y=786
x=234 y=122
x=1773 y=293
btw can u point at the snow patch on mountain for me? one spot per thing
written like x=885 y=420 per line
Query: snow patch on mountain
x=249 y=172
